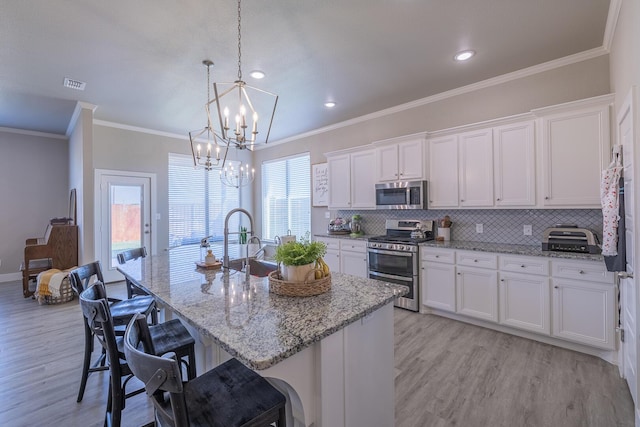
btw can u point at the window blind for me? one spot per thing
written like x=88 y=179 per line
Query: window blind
x=286 y=197
x=198 y=203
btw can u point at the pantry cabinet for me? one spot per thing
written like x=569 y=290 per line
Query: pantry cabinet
x=575 y=148
x=351 y=180
x=402 y=161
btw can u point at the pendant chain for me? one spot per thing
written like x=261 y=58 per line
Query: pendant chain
x=239 y=50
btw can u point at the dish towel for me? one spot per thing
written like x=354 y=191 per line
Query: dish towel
x=609 y=198
x=619 y=261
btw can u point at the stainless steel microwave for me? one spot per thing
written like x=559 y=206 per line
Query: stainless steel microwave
x=402 y=195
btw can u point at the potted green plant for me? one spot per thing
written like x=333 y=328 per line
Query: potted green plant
x=298 y=258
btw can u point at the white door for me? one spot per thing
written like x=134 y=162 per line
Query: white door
x=125 y=219
x=628 y=289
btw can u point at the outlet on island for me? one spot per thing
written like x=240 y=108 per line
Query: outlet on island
x=479 y=228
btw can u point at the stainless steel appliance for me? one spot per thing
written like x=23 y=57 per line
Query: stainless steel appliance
x=394 y=257
x=570 y=238
x=402 y=195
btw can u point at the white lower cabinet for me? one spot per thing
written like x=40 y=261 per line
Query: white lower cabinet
x=347 y=256
x=584 y=310
x=524 y=302
x=353 y=257
x=572 y=300
x=477 y=292
x=438 y=279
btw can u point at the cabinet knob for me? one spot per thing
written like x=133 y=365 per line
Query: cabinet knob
x=459 y=274
x=497 y=200
x=475 y=260
x=462 y=200
x=522 y=266
x=502 y=280
x=546 y=198
x=556 y=287
x=581 y=272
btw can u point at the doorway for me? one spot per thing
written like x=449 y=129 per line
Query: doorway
x=123 y=217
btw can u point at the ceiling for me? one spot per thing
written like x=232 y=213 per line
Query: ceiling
x=142 y=60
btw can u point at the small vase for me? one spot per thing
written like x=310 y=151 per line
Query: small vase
x=297 y=273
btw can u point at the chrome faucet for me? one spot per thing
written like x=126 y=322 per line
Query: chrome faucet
x=225 y=257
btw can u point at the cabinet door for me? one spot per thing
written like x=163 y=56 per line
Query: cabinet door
x=387 y=163
x=475 y=164
x=339 y=181
x=477 y=292
x=575 y=149
x=354 y=263
x=438 y=283
x=411 y=160
x=514 y=165
x=584 y=312
x=332 y=258
x=524 y=302
x=443 y=172
x=363 y=195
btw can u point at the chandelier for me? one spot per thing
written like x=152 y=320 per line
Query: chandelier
x=234 y=174
x=237 y=105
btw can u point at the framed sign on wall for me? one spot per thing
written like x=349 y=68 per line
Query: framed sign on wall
x=319 y=185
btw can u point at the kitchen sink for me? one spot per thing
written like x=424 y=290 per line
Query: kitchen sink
x=257 y=267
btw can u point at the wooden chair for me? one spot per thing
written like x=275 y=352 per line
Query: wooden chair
x=57 y=249
x=128 y=255
x=229 y=395
x=170 y=336
x=121 y=311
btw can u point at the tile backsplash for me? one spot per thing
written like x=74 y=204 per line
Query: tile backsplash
x=499 y=225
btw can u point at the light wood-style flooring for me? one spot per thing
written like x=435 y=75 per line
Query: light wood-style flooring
x=447 y=374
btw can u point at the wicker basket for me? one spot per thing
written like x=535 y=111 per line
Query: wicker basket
x=66 y=294
x=298 y=289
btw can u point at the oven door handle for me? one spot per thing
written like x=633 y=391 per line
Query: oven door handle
x=389 y=276
x=394 y=253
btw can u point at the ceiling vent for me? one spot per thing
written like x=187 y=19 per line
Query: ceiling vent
x=74 y=84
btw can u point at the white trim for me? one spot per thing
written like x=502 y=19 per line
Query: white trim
x=76 y=114
x=10 y=277
x=595 y=101
x=33 y=133
x=539 y=68
x=140 y=129
x=292 y=156
x=612 y=22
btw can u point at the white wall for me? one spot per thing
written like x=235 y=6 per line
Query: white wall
x=571 y=82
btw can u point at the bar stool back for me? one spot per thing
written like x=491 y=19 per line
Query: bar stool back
x=230 y=395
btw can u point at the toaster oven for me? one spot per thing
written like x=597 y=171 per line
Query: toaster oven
x=570 y=238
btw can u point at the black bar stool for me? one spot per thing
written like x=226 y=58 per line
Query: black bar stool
x=128 y=255
x=230 y=395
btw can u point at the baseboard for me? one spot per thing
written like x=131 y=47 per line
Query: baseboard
x=10 y=277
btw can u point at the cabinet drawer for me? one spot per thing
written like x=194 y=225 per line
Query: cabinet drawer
x=353 y=245
x=525 y=265
x=330 y=242
x=477 y=259
x=582 y=270
x=437 y=255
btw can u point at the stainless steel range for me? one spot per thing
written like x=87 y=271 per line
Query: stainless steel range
x=394 y=257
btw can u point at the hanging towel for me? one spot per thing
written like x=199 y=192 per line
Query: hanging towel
x=609 y=197
x=619 y=262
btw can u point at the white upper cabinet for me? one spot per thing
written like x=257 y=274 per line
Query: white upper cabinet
x=475 y=163
x=443 y=172
x=514 y=164
x=402 y=161
x=351 y=180
x=575 y=148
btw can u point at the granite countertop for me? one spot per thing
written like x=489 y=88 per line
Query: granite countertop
x=503 y=248
x=346 y=236
x=243 y=317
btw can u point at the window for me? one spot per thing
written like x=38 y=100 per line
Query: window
x=286 y=197
x=198 y=203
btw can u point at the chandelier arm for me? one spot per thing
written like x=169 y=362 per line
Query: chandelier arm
x=275 y=104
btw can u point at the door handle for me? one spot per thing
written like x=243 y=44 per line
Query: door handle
x=147 y=232
x=625 y=275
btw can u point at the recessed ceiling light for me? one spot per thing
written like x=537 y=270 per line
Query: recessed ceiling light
x=330 y=104
x=464 y=55
x=257 y=74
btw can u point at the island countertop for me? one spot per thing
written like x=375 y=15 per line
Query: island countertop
x=250 y=323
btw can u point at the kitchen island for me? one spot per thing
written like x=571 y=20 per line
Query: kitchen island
x=331 y=354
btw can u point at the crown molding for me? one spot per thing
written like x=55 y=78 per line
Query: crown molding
x=33 y=133
x=612 y=22
x=140 y=129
